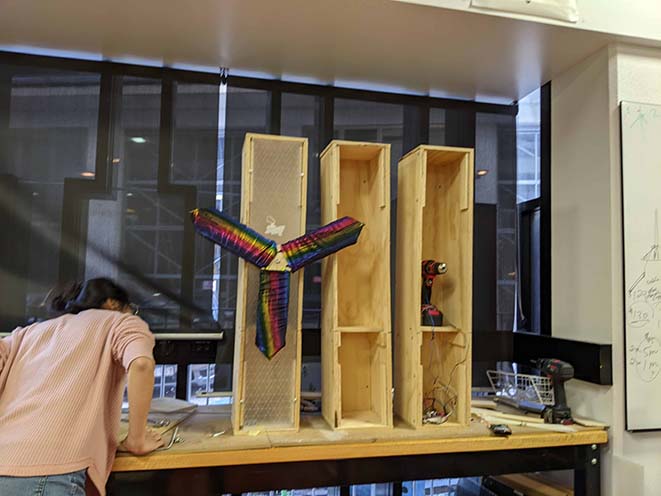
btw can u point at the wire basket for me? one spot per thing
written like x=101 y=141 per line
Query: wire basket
x=522 y=387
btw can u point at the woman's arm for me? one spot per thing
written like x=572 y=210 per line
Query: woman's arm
x=132 y=345
x=5 y=347
x=140 y=440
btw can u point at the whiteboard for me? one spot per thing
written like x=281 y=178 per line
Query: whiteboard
x=641 y=212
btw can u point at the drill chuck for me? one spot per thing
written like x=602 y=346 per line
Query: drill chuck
x=433 y=268
x=430 y=315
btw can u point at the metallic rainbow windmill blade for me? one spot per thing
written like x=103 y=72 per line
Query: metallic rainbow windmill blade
x=321 y=242
x=234 y=236
x=248 y=244
x=272 y=311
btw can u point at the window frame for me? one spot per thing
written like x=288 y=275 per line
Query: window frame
x=416 y=131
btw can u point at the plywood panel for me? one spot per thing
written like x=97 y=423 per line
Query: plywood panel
x=434 y=221
x=408 y=371
x=356 y=358
x=273 y=193
x=443 y=357
x=363 y=289
x=364 y=394
x=356 y=364
x=329 y=361
x=445 y=192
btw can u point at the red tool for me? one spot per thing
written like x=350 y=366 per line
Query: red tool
x=430 y=314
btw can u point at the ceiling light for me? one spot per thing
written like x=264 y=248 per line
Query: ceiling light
x=129 y=194
x=482 y=172
x=138 y=139
x=87 y=174
x=115 y=161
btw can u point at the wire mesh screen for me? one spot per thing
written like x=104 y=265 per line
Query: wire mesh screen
x=277 y=210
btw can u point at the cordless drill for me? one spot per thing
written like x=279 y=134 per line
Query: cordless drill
x=430 y=315
x=558 y=372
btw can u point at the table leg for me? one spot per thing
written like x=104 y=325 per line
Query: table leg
x=587 y=474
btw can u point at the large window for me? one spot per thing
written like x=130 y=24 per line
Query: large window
x=100 y=166
x=528 y=148
x=529 y=211
x=495 y=198
x=48 y=137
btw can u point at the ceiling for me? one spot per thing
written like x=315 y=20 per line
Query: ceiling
x=377 y=43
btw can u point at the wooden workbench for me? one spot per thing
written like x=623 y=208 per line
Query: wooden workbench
x=317 y=456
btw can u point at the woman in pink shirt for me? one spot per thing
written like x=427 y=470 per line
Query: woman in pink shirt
x=61 y=388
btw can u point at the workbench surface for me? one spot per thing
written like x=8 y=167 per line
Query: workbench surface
x=316 y=441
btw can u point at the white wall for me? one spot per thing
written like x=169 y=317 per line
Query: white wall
x=581 y=184
x=580 y=198
x=637 y=18
x=586 y=242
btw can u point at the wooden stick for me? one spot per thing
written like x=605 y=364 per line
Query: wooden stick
x=545 y=427
x=510 y=416
x=589 y=422
x=488 y=404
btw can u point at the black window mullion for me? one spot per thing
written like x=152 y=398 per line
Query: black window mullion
x=460 y=127
x=275 y=112
x=166 y=134
x=109 y=100
x=327 y=120
x=416 y=127
x=5 y=108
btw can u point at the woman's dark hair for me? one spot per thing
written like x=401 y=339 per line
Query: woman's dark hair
x=93 y=293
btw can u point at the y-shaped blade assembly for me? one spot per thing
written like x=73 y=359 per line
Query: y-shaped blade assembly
x=260 y=251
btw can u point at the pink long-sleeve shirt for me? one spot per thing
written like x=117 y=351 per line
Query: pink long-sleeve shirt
x=61 y=387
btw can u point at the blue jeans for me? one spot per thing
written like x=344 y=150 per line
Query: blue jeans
x=49 y=485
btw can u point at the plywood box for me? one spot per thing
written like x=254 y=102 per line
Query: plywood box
x=356 y=329
x=434 y=222
x=266 y=393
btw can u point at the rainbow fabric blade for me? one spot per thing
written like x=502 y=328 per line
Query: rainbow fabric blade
x=273 y=305
x=234 y=236
x=321 y=242
x=272 y=311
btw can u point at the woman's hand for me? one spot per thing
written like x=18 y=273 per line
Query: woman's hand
x=151 y=441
